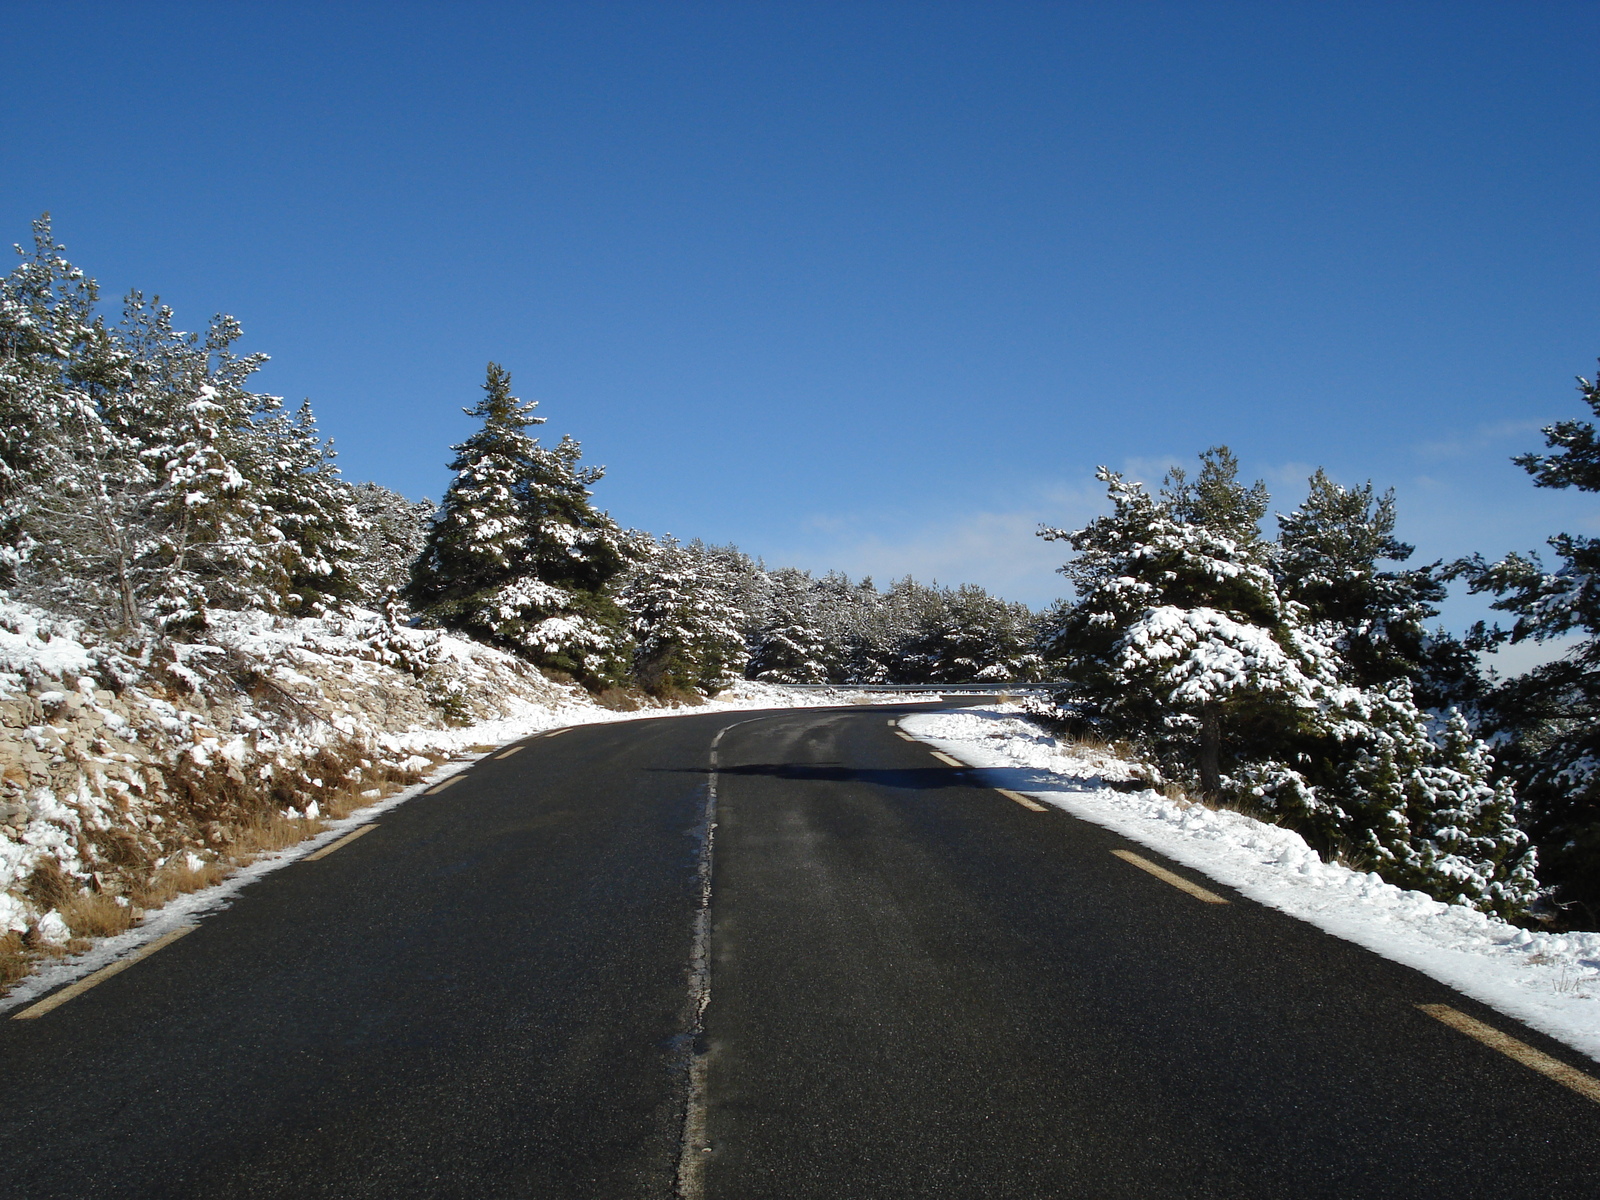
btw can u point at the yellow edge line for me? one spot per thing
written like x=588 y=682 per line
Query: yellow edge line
x=945 y=758
x=344 y=841
x=508 y=753
x=1584 y=1085
x=1166 y=876
x=100 y=976
x=1027 y=802
x=439 y=787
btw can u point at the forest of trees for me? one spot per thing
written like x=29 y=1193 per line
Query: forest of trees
x=143 y=483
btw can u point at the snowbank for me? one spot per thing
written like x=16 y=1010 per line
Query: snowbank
x=1551 y=982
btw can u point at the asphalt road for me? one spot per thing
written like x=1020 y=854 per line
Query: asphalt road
x=918 y=988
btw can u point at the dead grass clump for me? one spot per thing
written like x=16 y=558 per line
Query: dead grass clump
x=177 y=879
x=96 y=915
x=272 y=831
x=619 y=699
x=49 y=886
x=15 y=961
x=382 y=778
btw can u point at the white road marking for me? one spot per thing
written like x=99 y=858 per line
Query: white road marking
x=1584 y=1085
x=344 y=841
x=439 y=787
x=903 y=735
x=947 y=760
x=555 y=732
x=509 y=753
x=691 y=1180
x=1027 y=802
x=1166 y=876
x=100 y=976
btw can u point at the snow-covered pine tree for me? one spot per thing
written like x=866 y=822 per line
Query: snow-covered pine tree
x=211 y=540
x=1552 y=713
x=518 y=556
x=1178 y=635
x=1178 y=626
x=392 y=532
x=683 y=605
x=314 y=509
x=56 y=357
x=789 y=647
x=967 y=636
x=1328 y=555
x=1423 y=809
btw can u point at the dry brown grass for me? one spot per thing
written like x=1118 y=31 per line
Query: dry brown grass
x=97 y=915
x=15 y=962
x=271 y=831
x=176 y=879
x=49 y=886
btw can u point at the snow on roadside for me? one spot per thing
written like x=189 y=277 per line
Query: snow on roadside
x=1551 y=982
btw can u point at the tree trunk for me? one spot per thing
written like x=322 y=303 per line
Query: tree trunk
x=1211 y=748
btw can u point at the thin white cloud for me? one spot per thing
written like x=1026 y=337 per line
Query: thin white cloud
x=1494 y=436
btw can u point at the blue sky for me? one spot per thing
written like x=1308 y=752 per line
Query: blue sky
x=873 y=286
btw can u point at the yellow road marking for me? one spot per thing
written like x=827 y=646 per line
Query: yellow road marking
x=903 y=735
x=508 y=753
x=100 y=976
x=947 y=760
x=1027 y=802
x=1166 y=876
x=554 y=732
x=893 y=721
x=439 y=787
x=1584 y=1085
x=344 y=841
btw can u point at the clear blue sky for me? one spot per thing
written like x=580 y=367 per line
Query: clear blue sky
x=864 y=285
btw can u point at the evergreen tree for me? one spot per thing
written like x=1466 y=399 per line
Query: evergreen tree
x=1327 y=561
x=1180 y=638
x=683 y=605
x=1178 y=634
x=55 y=356
x=392 y=532
x=968 y=636
x=314 y=510
x=518 y=556
x=789 y=648
x=1552 y=713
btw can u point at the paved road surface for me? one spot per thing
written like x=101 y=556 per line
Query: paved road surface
x=918 y=989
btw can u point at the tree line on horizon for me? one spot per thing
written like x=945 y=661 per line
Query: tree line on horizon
x=143 y=483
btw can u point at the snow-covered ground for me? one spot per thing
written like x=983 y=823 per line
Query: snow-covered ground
x=1551 y=982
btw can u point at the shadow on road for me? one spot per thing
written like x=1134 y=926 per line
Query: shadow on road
x=905 y=777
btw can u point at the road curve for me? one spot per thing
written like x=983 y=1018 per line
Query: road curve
x=917 y=987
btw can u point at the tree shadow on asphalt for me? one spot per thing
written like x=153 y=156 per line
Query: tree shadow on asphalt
x=1018 y=779
x=905 y=777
